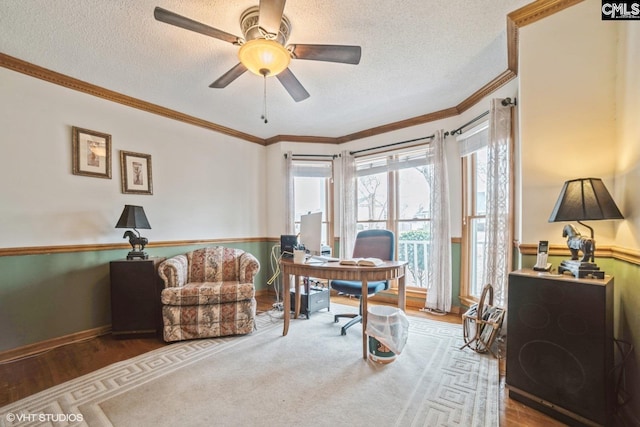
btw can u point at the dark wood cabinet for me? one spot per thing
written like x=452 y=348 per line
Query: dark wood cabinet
x=135 y=297
x=560 y=346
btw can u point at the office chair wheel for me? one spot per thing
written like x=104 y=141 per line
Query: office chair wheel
x=343 y=331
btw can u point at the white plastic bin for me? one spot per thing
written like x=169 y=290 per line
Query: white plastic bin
x=388 y=330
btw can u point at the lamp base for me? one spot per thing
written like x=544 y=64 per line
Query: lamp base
x=137 y=254
x=581 y=269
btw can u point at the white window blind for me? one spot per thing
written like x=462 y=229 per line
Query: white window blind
x=311 y=169
x=474 y=139
x=390 y=162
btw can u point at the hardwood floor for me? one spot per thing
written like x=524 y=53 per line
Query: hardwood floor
x=24 y=377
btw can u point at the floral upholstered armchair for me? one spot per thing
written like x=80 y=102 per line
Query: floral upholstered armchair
x=208 y=292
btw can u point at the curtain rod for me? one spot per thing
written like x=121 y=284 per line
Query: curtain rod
x=505 y=102
x=391 y=145
x=330 y=156
x=459 y=130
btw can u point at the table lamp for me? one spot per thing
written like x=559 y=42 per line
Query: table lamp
x=134 y=217
x=583 y=199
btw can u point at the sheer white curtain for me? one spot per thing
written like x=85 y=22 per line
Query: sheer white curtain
x=348 y=213
x=439 y=268
x=499 y=199
x=289 y=204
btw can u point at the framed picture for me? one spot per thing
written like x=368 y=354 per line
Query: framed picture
x=91 y=153
x=136 y=173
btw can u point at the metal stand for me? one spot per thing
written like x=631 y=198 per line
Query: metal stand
x=481 y=323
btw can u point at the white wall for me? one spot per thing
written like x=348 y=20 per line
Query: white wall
x=628 y=136
x=567 y=113
x=205 y=185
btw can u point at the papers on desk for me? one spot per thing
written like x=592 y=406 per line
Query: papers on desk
x=365 y=262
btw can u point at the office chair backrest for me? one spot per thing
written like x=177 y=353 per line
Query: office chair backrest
x=375 y=244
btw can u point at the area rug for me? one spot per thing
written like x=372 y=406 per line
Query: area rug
x=312 y=377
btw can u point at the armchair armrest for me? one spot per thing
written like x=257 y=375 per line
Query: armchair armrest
x=249 y=267
x=173 y=271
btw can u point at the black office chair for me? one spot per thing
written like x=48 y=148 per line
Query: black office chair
x=369 y=244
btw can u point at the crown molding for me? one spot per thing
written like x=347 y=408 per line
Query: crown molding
x=50 y=76
x=538 y=10
x=524 y=16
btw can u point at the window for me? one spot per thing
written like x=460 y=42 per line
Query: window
x=474 y=219
x=313 y=192
x=473 y=147
x=393 y=194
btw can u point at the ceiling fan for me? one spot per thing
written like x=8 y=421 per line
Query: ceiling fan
x=262 y=50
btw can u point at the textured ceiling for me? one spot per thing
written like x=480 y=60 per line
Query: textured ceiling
x=418 y=57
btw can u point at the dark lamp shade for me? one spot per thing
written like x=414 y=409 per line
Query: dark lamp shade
x=584 y=199
x=133 y=217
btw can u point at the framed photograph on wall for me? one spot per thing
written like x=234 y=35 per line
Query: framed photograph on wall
x=136 y=173
x=91 y=153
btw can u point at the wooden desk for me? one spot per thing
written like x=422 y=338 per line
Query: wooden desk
x=390 y=270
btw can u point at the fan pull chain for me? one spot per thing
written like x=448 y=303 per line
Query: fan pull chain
x=264 y=102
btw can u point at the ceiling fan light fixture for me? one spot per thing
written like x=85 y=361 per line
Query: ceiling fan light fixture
x=259 y=55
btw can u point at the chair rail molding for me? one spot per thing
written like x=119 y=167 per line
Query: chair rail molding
x=616 y=252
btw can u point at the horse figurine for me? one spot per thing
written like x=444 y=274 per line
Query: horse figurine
x=136 y=241
x=577 y=242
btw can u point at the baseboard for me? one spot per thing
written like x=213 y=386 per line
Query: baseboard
x=42 y=346
x=412 y=303
x=262 y=292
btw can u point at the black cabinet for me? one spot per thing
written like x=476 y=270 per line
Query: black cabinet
x=560 y=346
x=135 y=297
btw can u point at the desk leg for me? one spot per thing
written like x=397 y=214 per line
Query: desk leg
x=296 y=312
x=402 y=294
x=365 y=309
x=286 y=300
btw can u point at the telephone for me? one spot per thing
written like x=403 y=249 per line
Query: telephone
x=543 y=253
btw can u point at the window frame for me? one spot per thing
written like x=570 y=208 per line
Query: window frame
x=392 y=220
x=469 y=212
x=328 y=217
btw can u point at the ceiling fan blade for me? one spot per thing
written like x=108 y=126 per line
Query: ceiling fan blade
x=172 y=18
x=327 y=52
x=292 y=85
x=270 y=15
x=229 y=76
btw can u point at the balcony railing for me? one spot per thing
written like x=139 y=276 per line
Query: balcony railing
x=416 y=253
